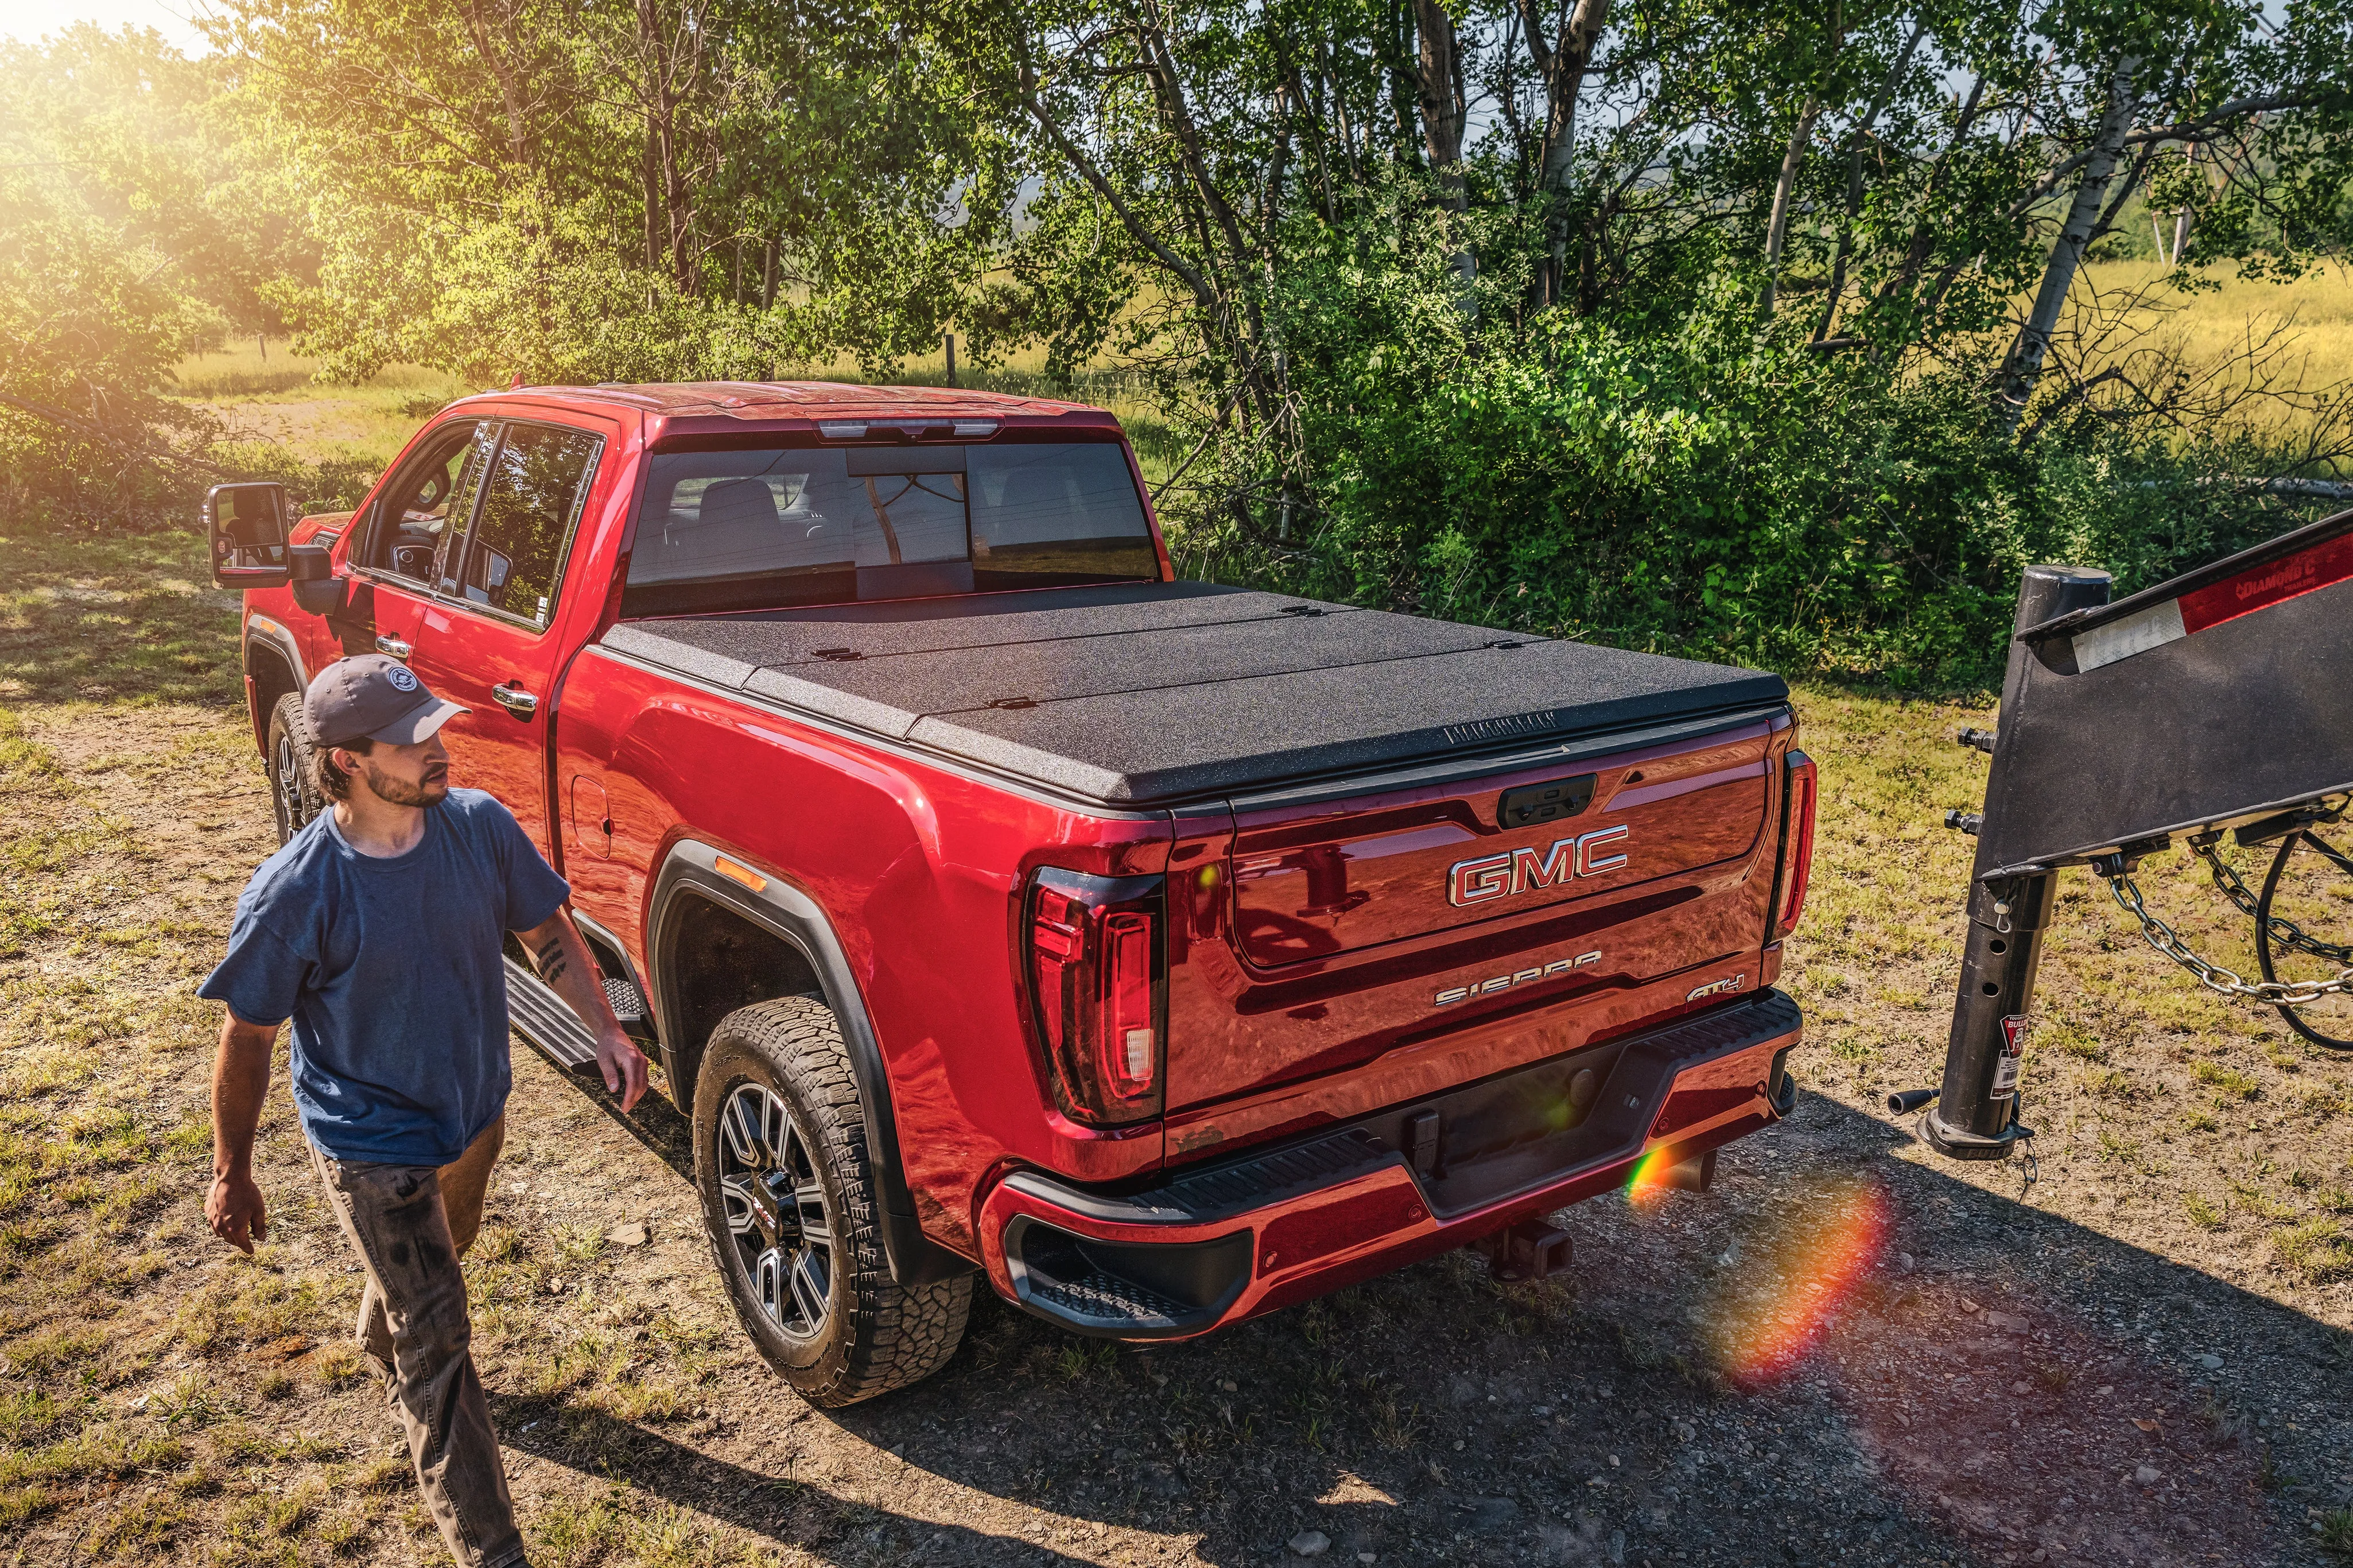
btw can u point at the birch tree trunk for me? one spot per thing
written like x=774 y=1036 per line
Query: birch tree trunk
x=1444 y=114
x=1776 y=227
x=2023 y=365
x=1562 y=63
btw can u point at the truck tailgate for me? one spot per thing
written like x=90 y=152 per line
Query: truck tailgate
x=1313 y=877
x=1418 y=920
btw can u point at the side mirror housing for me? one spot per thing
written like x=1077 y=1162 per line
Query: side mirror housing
x=247 y=526
x=316 y=587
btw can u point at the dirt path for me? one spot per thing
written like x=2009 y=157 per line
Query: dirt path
x=1844 y=1355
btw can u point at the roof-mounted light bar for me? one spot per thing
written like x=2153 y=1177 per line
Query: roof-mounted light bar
x=903 y=430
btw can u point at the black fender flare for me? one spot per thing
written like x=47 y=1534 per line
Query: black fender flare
x=690 y=871
x=270 y=636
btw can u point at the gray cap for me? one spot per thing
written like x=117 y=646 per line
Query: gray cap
x=375 y=696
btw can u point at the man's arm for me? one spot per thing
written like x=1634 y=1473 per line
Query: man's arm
x=561 y=955
x=240 y=1084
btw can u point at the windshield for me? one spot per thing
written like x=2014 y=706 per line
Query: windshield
x=767 y=529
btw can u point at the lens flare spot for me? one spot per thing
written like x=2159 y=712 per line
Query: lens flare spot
x=1792 y=1285
x=1648 y=1186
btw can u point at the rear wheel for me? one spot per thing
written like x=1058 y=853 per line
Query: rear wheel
x=788 y=1201
x=293 y=786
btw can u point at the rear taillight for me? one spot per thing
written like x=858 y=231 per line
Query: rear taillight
x=1796 y=844
x=1096 y=984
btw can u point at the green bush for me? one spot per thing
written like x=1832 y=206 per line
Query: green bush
x=1697 y=488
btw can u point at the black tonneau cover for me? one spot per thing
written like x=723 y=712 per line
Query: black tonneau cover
x=1140 y=693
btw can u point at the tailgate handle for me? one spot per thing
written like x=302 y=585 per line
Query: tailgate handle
x=1532 y=804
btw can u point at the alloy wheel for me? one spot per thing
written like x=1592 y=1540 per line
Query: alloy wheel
x=286 y=788
x=775 y=1210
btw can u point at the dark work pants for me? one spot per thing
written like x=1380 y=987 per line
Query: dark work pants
x=409 y=1224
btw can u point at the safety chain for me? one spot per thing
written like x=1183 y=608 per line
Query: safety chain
x=2213 y=976
x=2284 y=931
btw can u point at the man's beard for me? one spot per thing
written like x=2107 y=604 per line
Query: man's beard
x=431 y=791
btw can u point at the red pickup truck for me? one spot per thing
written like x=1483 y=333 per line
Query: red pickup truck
x=996 y=903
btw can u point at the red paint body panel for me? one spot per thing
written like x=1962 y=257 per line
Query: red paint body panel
x=885 y=844
x=1307 y=946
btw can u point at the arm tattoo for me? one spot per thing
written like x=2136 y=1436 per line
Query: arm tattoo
x=550 y=959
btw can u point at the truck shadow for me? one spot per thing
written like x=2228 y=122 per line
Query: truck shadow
x=655 y=1123
x=1840 y=1355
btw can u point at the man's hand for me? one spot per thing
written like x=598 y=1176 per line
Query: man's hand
x=236 y=1212
x=623 y=1064
x=241 y=1083
x=561 y=955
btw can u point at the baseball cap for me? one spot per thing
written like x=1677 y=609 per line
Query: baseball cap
x=375 y=696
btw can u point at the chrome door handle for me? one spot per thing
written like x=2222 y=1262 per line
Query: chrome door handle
x=516 y=700
x=388 y=643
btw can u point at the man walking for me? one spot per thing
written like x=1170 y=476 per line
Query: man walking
x=377 y=930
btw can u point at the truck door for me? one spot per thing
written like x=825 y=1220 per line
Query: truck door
x=486 y=638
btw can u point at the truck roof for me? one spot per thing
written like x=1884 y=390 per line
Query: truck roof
x=768 y=400
x=1141 y=693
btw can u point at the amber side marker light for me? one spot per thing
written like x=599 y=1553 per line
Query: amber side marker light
x=735 y=873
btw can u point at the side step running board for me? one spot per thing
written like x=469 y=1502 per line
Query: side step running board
x=547 y=1021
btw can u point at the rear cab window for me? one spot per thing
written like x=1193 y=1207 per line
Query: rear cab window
x=777 y=527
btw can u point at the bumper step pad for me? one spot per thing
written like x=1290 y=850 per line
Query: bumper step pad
x=1107 y=1299
x=628 y=1007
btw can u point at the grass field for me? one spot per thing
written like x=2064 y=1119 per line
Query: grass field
x=163 y=1399
x=2214 y=321
x=2293 y=340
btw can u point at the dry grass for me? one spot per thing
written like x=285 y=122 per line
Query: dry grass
x=2147 y=1091
x=241 y=369
x=163 y=1400
x=2292 y=342
x=2213 y=324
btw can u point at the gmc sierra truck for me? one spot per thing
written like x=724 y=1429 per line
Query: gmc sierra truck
x=998 y=905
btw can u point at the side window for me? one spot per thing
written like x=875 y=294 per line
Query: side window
x=414 y=528
x=537 y=482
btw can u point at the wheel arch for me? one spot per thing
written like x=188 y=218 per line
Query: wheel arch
x=712 y=941
x=273 y=665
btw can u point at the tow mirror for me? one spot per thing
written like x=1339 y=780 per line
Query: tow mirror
x=316 y=587
x=247 y=527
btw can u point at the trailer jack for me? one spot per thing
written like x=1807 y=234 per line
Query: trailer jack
x=2211 y=703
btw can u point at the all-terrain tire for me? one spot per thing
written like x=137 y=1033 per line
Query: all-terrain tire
x=293 y=786
x=875 y=1335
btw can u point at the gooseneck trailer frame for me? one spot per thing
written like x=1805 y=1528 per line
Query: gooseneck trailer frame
x=2217 y=701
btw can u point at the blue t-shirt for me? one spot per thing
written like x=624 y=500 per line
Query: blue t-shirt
x=391 y=970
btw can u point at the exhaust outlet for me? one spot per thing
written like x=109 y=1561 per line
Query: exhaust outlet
x=1695 y=1174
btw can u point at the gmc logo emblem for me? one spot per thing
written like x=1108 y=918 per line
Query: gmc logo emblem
x=1500 y=876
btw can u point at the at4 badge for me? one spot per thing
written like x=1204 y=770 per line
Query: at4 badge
x=2013 y=1048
